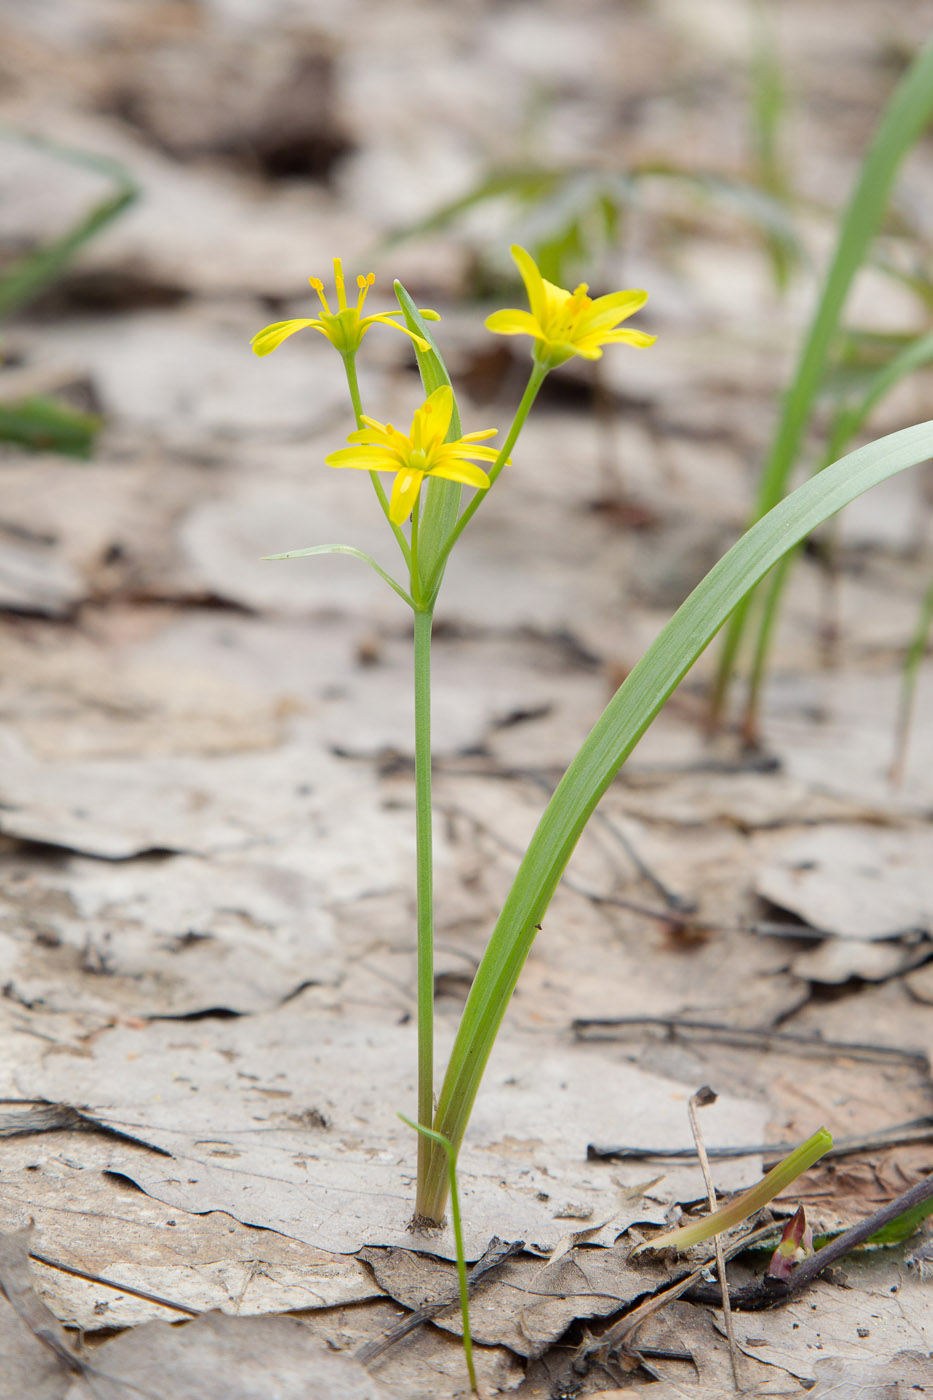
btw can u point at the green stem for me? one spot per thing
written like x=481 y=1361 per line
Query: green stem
x=535 y=380
x=909 y=684
x=423 y=621
x=458 y=1241
x=353 y=384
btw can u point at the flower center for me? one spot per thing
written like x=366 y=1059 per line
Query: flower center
x=418 y=460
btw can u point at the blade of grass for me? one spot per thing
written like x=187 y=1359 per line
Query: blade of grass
x=845 y=426
x=767 y=111
x=907 y=114
x=44 y=425
x=777 y=1180
x=912 y=660
x=33 y=273
x=612 y=739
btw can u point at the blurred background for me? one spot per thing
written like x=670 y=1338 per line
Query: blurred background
x=173 y=171
x=205 y=757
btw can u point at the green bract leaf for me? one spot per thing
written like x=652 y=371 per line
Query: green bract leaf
x=356 y=553
x=613 y=738
x=441 y=499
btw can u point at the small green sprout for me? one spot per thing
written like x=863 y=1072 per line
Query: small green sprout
x=777 y=1180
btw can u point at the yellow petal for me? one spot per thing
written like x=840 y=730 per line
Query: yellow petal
x=623 y=337
x=270 y=337
x=609 y=310
x=367 y=459
x=435 y=415
x=512 y=322
x=464 y=472
x=534 y=282
x=385 y=318
x=405 y=490
x=463 y=451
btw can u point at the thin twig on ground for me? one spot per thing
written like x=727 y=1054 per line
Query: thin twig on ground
x=700 y=1100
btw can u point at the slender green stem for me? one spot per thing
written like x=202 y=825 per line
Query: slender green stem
x=909 y=684
x=425 y=881
x=448 y=1147
x=535 y=380
x=353 y=384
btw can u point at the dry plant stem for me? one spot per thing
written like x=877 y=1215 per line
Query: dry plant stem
x=496 y=1253
x=117 y=1287
x=621 y=1334
x=699 y=1100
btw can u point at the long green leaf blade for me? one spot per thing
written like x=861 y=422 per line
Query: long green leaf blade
x=614 y=736
x=906 y=116
x=33 y=273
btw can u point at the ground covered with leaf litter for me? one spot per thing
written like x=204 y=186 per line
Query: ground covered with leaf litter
x=206 y=874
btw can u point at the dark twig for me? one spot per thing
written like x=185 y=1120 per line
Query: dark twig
x=620 y=1336
x=917 y=1130
x=767 y=1292
x=111 y=1283
x=679 y=1028
x=497 y=1252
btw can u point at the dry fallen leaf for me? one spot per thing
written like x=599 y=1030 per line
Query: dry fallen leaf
x=216 y=1357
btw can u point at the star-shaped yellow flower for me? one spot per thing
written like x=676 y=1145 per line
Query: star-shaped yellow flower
x=568 y=323
x=344 y=328
x=382 y=448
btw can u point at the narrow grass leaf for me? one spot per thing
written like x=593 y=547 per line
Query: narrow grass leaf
x=907 y=114
x=777 y=1180
x=32 y=274
x=614 y=736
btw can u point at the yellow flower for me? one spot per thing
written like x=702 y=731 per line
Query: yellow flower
x=344 y=328
x=568 y=323
x=382 y=448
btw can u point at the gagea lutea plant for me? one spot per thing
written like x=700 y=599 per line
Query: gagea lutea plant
x=429 y=465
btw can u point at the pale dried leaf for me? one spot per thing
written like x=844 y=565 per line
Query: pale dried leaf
x=216 y=1357
x=232 y=1101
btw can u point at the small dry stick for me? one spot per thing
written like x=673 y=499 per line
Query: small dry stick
x=496 y=1253
x=620 y=1335
x=701 y=1099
